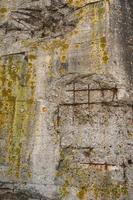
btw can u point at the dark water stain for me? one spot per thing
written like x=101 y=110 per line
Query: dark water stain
x=126 y=30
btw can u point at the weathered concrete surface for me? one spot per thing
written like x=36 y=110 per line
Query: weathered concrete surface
x=66 y=126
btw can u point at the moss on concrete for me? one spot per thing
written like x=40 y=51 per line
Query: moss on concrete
x=17 y=99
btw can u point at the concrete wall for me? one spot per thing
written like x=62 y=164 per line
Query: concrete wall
x=66 y=126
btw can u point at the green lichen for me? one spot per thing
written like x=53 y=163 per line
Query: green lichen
x=109 y=190
x=64 y=190
x=74 y=175
x=107 y=1
x=32 y=57
x=2 y=160
x=59 y=47
x=81 y=194
x=75 y=3
x=17 y=81
x=3 y=10
x=101 y=12
x=103 y=47
x=99 y=50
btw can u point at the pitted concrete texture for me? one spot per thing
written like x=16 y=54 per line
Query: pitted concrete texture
x=66 y=100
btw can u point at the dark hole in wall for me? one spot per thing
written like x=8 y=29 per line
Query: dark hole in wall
x=129 y=161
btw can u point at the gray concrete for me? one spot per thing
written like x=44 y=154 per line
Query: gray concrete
x=66 y=126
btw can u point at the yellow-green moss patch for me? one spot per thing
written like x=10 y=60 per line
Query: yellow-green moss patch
x=17 y=89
